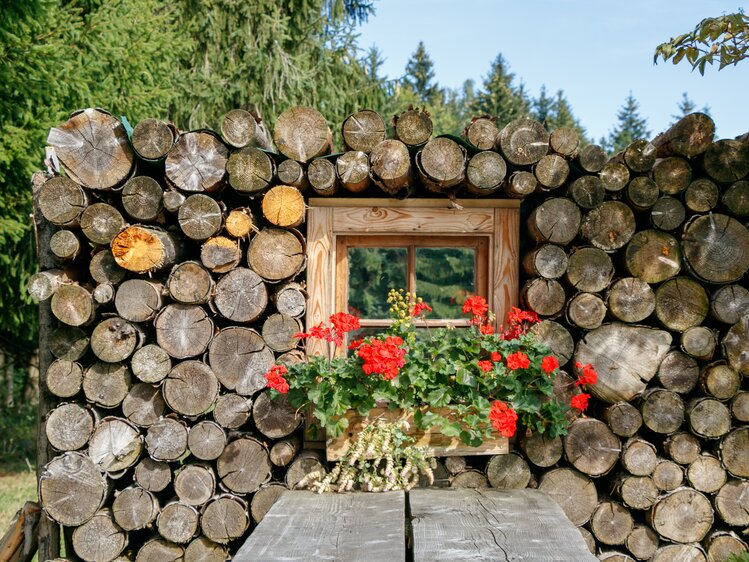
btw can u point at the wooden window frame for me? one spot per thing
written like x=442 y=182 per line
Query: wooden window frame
x=330 y=219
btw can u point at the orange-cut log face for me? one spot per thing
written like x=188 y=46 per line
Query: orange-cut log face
x=138 y=249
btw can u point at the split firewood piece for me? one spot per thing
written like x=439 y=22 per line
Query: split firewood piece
x=93 y=148
x=240 y=128
x=240 y=359
x=301 y=133
x=220 y=254
x=197 y=162
x=190 y=283
x=363 y=130
x=291 y=172
x=135 y=508
x=178 y=522
x=191 y=388
x=275 y=418
x=151 y=364
x=241 y=295
x=524 y=141
x=441 y=164
x=390 y=165
x=206 y=440
x=115 y=445
x=99 y=538
x=143 y=249
x=139 y=300
x=143 y=198
x=101 y=222
x=244 y=465
x=413 y=127
x=183 y=330
x=72 y=488
x=276 y=254
x=250 y=170
x=482 y=132
x=62 y=201
x=352 y=170
x=166 y=440
x=485 y=172
x=152 y=139
x=225 y=519
x=239 y=223
x=284 y=206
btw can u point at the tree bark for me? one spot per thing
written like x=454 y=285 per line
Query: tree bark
x=524 y=141
x=93 y=148
x=276 y=254
x=688 y=137
x=143 y=249
x=390 y=166
x=302 y=134
x=485 y=172
x=244 y=465
x=240 y=359
x=251 y=171
x=152 y=139
x=197 y=163
x=363 y=130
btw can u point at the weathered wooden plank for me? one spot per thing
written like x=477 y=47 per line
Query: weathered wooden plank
x=414 y=202
x=320 y=267
x=439 y=445
x=390 y=220
x=342 y=527
x=505 y=277
x=492 y=525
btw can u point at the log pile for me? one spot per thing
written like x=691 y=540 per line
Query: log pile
x=174 y=276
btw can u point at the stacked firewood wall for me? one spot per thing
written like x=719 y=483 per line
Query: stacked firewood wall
x=173 y=277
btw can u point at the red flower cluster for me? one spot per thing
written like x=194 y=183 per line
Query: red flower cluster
x=503 y=418
x=516 y=320
x=476 y=306
x=549 y=364
x=487 y=329
x=580 y=401
x=496 y=356
x=486 y=366
x=420 y=307
x=276 y=380
x=518 y=360
x=384 y=357
x=342 y=324
x=589 y=375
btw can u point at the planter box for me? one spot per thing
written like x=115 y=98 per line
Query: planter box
x=439 y=445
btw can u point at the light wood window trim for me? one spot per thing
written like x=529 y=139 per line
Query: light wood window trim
x=327 y=219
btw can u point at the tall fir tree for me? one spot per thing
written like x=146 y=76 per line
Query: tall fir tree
x=630 y=126
x=420 y=75
x=543 y=107
x=499 y=96
x=562 y=116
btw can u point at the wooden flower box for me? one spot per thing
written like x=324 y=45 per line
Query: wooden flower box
x=439 y=445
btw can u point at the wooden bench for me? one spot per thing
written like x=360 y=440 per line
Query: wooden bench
x=421 y=525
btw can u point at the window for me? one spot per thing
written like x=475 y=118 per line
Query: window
x=360 y=248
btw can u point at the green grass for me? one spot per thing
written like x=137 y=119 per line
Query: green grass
x=17 y=485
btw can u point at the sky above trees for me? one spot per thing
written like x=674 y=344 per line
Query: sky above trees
x=596 y=52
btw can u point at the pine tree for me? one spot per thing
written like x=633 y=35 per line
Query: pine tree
x=686 y=106
x=499 y=96
x=420 y=75
x=543 y=107
x=562 y=116
x=629 y=128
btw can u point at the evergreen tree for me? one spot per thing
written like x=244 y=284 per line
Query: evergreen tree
x=686 y=106
x=420 y=75
x=543 y=107
x=499 y=96
x=562 y=116
x=631 y=126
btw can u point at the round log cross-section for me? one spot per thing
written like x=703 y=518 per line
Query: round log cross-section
x=197 y=162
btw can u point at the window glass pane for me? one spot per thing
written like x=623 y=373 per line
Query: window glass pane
x=372 y=273
x=444 y=277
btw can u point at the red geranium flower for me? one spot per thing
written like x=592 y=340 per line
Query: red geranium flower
x=475 y=305
x=589 y=375
x=486 y=366
x=383 y=357
x=518 y=360
x=344 y=323
x=276 y=380
x=580 y=401
x=496 y=356
x=549 y=364
x=420 y=307
x=503 y=418
x=355 y=344
x=320 y=332
x=517 y=316
x=487 y=329
x=301 y=335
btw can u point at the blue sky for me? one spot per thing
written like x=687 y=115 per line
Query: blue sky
x=595 y=50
